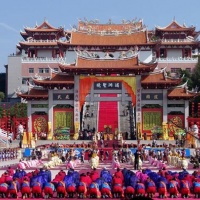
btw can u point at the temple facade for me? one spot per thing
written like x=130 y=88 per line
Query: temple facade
x=109 y=77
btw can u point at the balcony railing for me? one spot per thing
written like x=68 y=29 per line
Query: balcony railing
x=177 y=60
x=42 y=60
x=39 y=41
x=177 y=40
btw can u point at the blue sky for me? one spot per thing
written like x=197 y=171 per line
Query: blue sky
x=16 y=14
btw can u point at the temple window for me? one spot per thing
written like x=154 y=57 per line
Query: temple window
x=175 y=70
x=46 y=70
x=56 y=69
x=41 y=70
x=24 y=81
x=189 y=70
x=162 y=53
x=31 y=70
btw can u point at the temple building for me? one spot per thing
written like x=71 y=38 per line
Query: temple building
x=116 y=78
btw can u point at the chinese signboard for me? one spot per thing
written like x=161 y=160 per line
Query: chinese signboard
x=61 y=96
x=76 y=102
x=152 y=96
x=138 y=104
x=108 y=85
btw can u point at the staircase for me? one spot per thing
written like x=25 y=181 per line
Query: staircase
x=3 y=138
x=108 y=113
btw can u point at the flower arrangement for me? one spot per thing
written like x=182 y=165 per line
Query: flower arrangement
x=157 y=131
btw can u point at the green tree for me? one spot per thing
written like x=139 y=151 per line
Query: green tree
x=196 y=74
x=2 y=96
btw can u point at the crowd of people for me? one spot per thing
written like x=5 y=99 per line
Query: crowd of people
x=122 y=183
x=8 y=154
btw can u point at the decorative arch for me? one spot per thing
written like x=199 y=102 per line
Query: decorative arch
x=85 y=85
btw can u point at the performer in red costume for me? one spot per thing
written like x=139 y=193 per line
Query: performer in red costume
x=150 y=188
x=13 y=188
x=173 y=188
x=184 y=188
x=139 y=189
x=71 y=190
x=3 y=190
x=106 y=190
x=36 y=190
x=119 y=174
x=25 y=188
x=162 y=189
x=129 y=192
x=94 y=191
x=82 y=190
x=196 y=188
x=49 y=189
x=61 y=189
x=117 y=187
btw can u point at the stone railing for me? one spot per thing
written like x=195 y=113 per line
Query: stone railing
x=42 y=60
x=179 y=59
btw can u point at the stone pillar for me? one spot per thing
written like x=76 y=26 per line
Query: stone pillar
x=50 y=115
x=165 y=118
x=186 y=114
x=138 y=106
x=76 y=107
x=29 y=117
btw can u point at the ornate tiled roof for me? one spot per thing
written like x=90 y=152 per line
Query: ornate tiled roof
x=159 y=79
x=174 y=27
x=44 y=27
x=59 y=80
x=182 y=92
x=95 y=26
x=79 y=38
x=34 y=94
x=39 y=43
x=130 y=65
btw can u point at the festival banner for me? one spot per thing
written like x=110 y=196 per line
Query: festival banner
x=175 y=124
x=63 y=123
x=39 y=124
x=151 y=118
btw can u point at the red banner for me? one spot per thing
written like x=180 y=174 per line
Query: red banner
x=175 y=122
x=39 y=124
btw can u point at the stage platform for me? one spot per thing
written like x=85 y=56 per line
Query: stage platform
x=146 y=142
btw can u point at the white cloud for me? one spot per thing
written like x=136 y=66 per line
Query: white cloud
x=8 y=27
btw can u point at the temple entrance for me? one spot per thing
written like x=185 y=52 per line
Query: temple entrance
x=108 y=102
x=108 y=113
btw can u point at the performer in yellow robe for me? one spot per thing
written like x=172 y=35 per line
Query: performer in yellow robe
x=25 y=140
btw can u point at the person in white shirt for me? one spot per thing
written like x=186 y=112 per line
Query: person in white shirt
x=20 y=131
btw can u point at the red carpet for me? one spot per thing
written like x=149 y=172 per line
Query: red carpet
x=108 y=113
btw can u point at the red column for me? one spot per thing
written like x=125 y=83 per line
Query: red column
x=198 y=109
x=192 y=109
